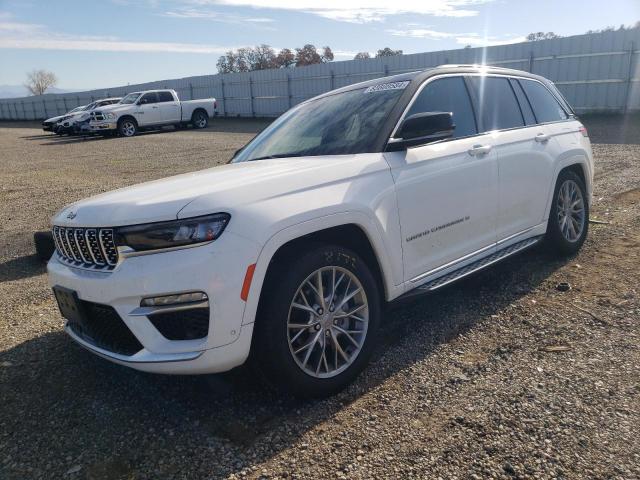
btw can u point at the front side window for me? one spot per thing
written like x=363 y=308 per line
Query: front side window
x=151 y=97
x=131 y=98
x=339 y=124
x=497 y=104
x=545 y=106
x=447 y=95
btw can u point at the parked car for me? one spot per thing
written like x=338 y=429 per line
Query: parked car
x=50 y=123
x=78 y=122
x=364 y=195
x=152 y=109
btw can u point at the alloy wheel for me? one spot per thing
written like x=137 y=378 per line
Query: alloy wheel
x=570 y=210
x=328 y=321
x=128 y=129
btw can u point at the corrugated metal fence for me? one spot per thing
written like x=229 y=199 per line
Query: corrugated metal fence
x=595 y=72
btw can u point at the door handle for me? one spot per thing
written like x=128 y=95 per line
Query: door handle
x=479 y=150
x=542 y=138
x=155 y=106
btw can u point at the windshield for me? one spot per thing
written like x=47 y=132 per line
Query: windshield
x=77 y=109
x=91 y=106
x=131 y=98
x=339 y=124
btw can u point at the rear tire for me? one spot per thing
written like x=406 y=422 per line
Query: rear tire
x=127 y=127
x=568 y=222
x=339 y=345
x=200 y=119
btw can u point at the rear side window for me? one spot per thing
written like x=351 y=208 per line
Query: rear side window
x=527 y=113
x=448 y=95
x=165 y=97
x=545 y=106
x=497 y=104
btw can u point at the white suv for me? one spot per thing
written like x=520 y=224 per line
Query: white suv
x=391 y=187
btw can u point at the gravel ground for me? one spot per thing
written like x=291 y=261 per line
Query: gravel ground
x=498 y=376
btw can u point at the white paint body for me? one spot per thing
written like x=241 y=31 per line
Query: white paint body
x=154 y=114
x=502 y=197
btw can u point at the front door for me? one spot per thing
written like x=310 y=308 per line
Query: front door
x=148 y=111
x=446 y=191
x=169 y=107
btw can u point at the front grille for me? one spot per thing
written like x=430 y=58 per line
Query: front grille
x=182 y=325
x=86 y=247
x=97 y=116
x=102 y=326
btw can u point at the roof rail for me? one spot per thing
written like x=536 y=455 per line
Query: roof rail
x=467 y=65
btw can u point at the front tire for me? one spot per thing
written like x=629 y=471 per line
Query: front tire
x=317 y=322
x=569 y=215
x=127 y=127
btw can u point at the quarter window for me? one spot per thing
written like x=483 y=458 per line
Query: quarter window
x=497 y=104
x=448 y=95
x=545 y=106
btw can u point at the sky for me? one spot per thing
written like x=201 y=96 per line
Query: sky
x=94 y=44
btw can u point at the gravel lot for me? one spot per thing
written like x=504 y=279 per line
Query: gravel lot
x=499 y=376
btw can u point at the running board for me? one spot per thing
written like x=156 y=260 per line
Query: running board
x=474 y=266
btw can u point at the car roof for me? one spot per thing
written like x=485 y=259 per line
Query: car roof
x=420 y=75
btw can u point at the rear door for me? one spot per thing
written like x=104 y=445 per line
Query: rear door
x=525 y=162
x=148 y=112
x=446 y=191
x=169 y=107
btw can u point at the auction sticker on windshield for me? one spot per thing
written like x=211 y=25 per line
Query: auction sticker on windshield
x=387 y=86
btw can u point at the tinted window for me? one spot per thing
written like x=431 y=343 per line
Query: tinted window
x=497 y=103
x=525 y=107
x=448 y=95
x=337 y=124
x=545 y=106
x=149 y=98
x=165 y=97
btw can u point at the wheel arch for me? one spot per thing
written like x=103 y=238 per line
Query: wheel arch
x=349 y=233
x=199 y=109
x=128 y=117
x=577 y=164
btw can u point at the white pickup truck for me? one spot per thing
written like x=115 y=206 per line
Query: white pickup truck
x=152 y=109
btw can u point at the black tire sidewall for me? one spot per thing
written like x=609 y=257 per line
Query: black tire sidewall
x=121 y=122
x=271 y=353
x=556 y=242
x=196 y=117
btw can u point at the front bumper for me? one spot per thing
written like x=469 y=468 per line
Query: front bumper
x=202 y=268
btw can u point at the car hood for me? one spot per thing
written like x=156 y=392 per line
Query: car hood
x=221 y=189
x=116 y=107
x=54 y=119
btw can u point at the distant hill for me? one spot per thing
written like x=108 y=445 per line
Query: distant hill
x=15 y=91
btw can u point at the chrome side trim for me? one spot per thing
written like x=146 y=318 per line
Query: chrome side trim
x=141 y=358
x=146 y=311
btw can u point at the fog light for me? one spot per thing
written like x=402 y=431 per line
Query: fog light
x=178 y=298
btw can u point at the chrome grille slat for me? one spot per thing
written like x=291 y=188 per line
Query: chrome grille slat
x=86 y=247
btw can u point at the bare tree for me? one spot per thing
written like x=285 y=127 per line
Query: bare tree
x=387 y=52
x=285 y=58
x=327 y=55
x=39 y=81
x=362 y=56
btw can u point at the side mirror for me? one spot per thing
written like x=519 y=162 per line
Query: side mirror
x=422 y=128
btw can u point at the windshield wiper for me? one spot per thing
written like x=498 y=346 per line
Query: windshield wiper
x=279 y=155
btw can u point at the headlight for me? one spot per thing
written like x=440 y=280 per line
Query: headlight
x=109 y=116
x=152 y=236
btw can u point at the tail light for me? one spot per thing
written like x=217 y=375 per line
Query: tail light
x=583 y=131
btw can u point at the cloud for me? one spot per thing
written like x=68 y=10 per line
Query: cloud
x=33 y=36
x=196 y=13
x=473 y=39
x=360 y=11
